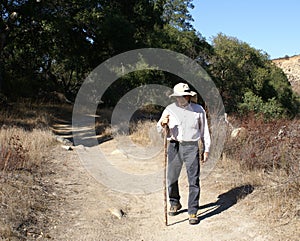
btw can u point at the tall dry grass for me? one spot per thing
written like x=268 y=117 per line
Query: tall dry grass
x=24 y=145
x=268 y=157
x=21 y=149
x=144 y=133
x=27 y=115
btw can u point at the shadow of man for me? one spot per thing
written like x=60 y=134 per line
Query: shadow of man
x=225 y=201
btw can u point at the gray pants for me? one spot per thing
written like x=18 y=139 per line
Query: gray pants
x=189 y=154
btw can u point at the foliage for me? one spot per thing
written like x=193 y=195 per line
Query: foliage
x=48 y=46
x=177 y=15
x=248 y=81
x=271 y=109
x=56 y=44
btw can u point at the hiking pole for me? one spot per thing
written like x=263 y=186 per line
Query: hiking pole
x=165 y=174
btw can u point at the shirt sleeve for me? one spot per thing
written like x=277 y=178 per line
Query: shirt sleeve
x=204 y=132
x=158 y=125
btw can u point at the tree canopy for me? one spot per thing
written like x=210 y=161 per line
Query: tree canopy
x=248 y=81
x=53 y=45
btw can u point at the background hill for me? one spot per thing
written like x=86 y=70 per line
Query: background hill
x=291 y=67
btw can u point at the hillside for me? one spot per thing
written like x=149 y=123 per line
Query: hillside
x=291 y=67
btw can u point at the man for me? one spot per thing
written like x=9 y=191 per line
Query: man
x=186 y=123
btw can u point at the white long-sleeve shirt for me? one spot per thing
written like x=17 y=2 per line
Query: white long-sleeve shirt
x=187 y=123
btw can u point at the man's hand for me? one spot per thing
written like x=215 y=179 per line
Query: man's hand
x=205 y=157
x=165 y=120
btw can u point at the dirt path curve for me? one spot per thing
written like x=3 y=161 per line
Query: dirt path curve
x=85 y=208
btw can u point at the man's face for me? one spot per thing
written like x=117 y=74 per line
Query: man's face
x=183 y=100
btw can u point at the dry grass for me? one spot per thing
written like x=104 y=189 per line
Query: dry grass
x=144 y=133
x=20 y=149
x=273 y=203
x=24 y=144
x=142 y=127
x=269 y=159
x=25 y=115
x=267 y=145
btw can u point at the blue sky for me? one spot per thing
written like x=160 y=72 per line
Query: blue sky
x=272 y=26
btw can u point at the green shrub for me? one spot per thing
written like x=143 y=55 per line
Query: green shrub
x=270 y=109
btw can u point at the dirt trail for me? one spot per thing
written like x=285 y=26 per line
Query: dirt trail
x=84 y=210
x=86 y=215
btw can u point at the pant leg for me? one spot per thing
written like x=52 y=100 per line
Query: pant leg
x=191 y=159
x=173 y=172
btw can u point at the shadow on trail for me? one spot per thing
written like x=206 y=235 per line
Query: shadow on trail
x=225 y=201
x=86 y=134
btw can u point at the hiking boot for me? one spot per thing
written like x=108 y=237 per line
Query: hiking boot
x=193 y=219
x=174 y=209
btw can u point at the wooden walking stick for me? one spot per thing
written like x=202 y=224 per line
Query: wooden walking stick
x=165 y=173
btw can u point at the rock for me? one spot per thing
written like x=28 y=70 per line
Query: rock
x=68 y=148
x=64 y=141
x=60 y=139
x=240 y=132
x=117 y=212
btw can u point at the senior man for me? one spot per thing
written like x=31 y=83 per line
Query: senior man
x=186 y=124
